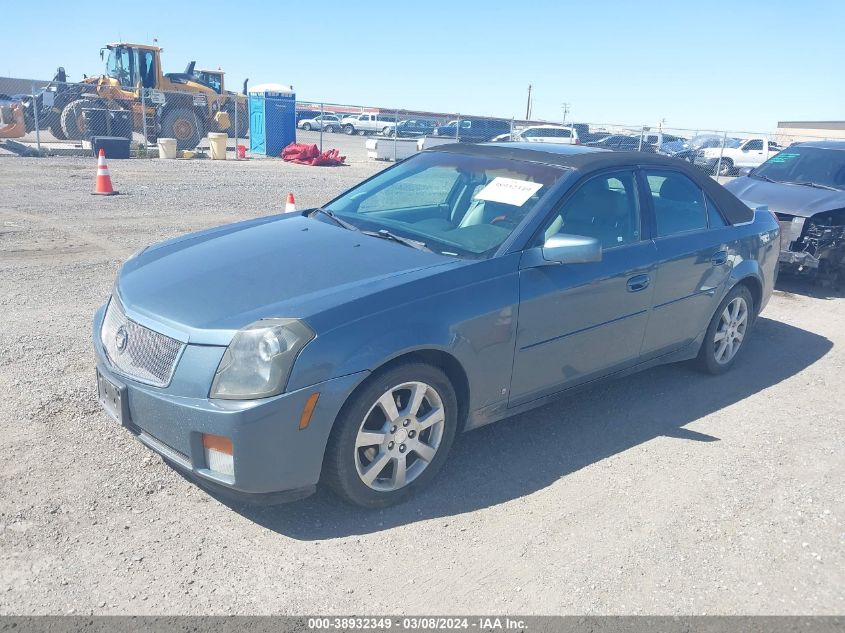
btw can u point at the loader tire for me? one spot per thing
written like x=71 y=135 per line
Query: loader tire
x=184 y=125
x=72 y=121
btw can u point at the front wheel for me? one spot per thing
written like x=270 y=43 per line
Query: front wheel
x=726 y=168
x=348 y=129
x=306 y=127
x=727 y=331
x=392 y=436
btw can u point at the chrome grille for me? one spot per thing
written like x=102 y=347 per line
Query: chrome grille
x=135 y=351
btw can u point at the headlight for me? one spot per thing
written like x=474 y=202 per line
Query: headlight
x=259 y=359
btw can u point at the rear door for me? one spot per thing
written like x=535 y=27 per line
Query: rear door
x=581 y=321
x=693 y=260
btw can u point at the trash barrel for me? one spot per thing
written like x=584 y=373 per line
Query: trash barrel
x=217 y=145
x=167 y=148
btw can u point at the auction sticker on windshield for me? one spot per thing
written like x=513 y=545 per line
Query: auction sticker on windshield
x=509 y=191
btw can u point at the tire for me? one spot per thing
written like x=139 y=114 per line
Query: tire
x=57 y=131
x=306 y=127
x=72 y=122
x=329 y=128
x=365 y=474
x=726 y=168
x=362 y=132
x=716 y=356
x=183 y=124
x=348 y=129
x=385 y=131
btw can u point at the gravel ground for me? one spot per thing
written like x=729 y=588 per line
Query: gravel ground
x=667 y=492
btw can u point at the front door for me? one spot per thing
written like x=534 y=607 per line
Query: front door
x=580 y=321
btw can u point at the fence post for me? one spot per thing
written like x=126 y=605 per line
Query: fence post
x=321 y=126
x=642 y=132
x=395 y=133
x=236 y=125
x=458 y=128
x=37 y=126
x=721 y=153
x=143 y=120
x=511 y=137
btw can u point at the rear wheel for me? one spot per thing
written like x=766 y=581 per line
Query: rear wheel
x=306 y=127
x=727 y=331
x=183 y=124
x=392 y=436
x=348 y=129
x=386 y=130
x=726 y=168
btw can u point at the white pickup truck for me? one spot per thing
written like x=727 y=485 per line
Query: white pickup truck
x=363 y=124
x=737 y=157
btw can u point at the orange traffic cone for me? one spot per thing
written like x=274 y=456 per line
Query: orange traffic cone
x=290 y=205
x=103 y=186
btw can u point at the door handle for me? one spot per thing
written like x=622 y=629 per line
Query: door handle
x=719 y=258
x=638 y=282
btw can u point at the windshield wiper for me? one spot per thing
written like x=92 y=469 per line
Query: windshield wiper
x=332 y=217
x=764 y=177
x=387 y=235
x=813 y=184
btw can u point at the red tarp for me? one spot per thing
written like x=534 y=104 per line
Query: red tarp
x=311 y=155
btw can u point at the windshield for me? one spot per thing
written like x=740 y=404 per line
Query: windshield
x=455 y=204
x=815 y=165
x=119 y=65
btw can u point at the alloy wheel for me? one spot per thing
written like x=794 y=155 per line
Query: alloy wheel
x=399 y=437
x=731 y=330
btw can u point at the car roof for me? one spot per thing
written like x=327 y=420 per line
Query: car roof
x=823 y=144
x=587 y=159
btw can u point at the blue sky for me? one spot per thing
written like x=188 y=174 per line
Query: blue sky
x=741 y=65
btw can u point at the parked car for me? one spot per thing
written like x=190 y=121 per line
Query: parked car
x=328 y=122
x=805 y=186
x=686 y=150
x=736 y=156
x=413 y=128
x=548 y=134
x=456 y=288
x=624 y=143
x=306 y=114
x=473 y=130
x=363 y=124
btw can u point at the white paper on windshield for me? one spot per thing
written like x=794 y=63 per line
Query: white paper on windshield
x=509 y=191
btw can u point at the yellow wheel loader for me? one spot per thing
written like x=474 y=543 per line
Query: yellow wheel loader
x=174 y=105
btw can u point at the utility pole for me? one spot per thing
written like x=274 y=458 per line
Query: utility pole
x=528 y=105
x=565 y=108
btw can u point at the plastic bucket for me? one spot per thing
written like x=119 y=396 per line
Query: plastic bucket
x=167 y=148
x=217 y=145
x=241 y=151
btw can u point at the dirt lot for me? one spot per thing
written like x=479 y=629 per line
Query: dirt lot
x=668 y=492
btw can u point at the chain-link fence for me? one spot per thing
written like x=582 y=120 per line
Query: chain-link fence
x=116 y=109
x=61 y=117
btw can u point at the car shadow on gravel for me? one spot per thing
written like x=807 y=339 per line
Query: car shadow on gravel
x=526 y=453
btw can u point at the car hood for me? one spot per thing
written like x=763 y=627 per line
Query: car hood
x=797 y=200
x=203 y=286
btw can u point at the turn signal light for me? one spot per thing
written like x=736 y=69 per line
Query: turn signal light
x=218 y=454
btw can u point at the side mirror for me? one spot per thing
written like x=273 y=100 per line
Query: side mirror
x=562 y=248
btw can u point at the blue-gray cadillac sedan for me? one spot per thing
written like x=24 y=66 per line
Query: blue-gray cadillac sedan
x=349 y=344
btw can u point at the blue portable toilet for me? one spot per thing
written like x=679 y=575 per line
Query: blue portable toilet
x=272 y=118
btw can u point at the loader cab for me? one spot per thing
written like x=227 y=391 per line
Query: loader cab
x=130 y=65
x=211 y=78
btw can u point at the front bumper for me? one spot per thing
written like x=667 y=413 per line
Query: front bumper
x=271 y=454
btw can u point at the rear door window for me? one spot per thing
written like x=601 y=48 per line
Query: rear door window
x=678 y=202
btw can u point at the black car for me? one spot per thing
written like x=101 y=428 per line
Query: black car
x=474 y=130
x=413 y=128
x=624 y=143
x=804 y=185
